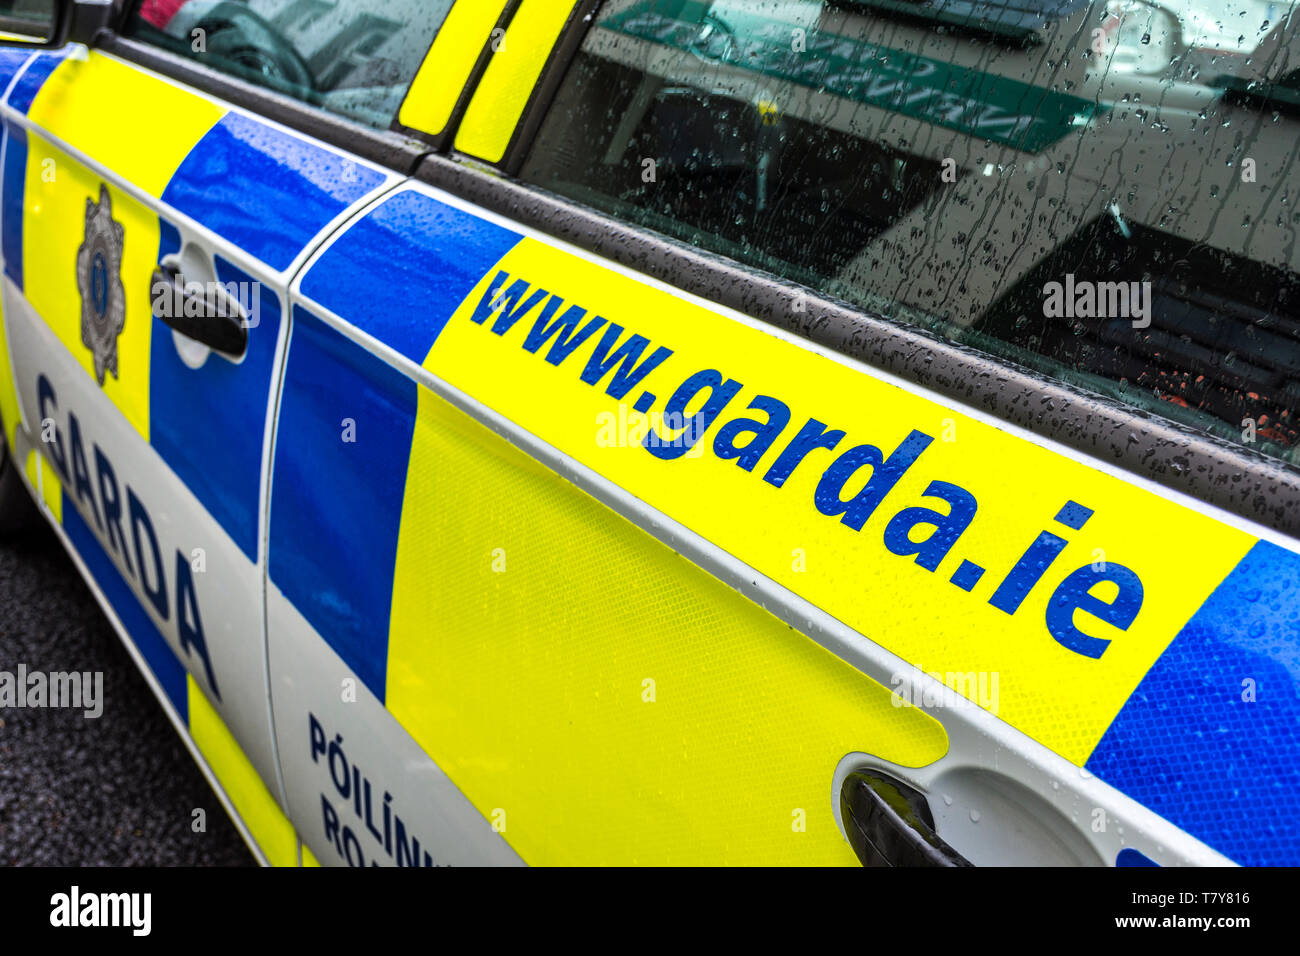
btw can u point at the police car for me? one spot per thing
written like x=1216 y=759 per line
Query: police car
x=673 y=431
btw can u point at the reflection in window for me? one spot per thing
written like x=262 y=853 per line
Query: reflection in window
x=354 y=57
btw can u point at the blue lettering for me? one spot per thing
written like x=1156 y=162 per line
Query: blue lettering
x=407 y=854
x=1027 y=572
x=765 y=433
x=157 y=594
x=813 y=435
x=80 y=473
x=1072 y=595
x=331 y=820
x=693 y=429
x=947 y=527
x=885 y=474
x=188 y=622
x=562 y=329
x=112 y=504
x=627 y=373
x=499 y=299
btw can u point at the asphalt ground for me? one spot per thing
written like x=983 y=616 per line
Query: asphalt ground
x=117 y=790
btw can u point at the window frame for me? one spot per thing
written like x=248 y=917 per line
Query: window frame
x=548 y=83
x=441 y=142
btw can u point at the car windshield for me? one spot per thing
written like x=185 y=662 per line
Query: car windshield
x=1101 y=190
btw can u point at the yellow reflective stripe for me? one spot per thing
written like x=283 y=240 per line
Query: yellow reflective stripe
x=447 y=66
x=58 y=192
x=252 y=800
x=1061 y=698
x=81 y=104
x=308 y=858
x=10 y=410
x=597 y=695
x=510 y=77
x=140 y=126
x=47 y=480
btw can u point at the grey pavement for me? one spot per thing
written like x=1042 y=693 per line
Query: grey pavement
x=119 y=790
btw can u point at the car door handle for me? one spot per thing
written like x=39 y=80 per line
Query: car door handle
x=202 y=312
x=889 y=823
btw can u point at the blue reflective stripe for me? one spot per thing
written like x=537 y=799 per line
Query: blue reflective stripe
x=15 y=189
x=268 y=191
x=400 y=273
x=338 y=572
x=209 y=423
x=32 y=79
x=153 y=647
x=1193 y=745
x=1131 y=857
x=11 y=61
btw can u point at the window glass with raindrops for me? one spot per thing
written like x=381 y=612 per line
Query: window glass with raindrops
x=351 y=57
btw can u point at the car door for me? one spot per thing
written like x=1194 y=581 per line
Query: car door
x=640 y=546
x=150 y=233
x=939 y=177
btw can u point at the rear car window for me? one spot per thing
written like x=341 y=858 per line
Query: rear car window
x=353 y=57
x=1102 y=191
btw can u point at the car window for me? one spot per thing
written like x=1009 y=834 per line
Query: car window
x=26 y=19
x=354 y=57
x=1102 y=191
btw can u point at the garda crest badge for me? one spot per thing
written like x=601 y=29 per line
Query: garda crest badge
x=99 y=279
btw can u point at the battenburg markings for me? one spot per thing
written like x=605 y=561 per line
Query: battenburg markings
x=513 y=302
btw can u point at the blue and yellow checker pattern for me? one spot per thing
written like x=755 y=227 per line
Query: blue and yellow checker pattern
x=411 y=605
x=501 y=614
x=266 y=191
x=206 y=169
